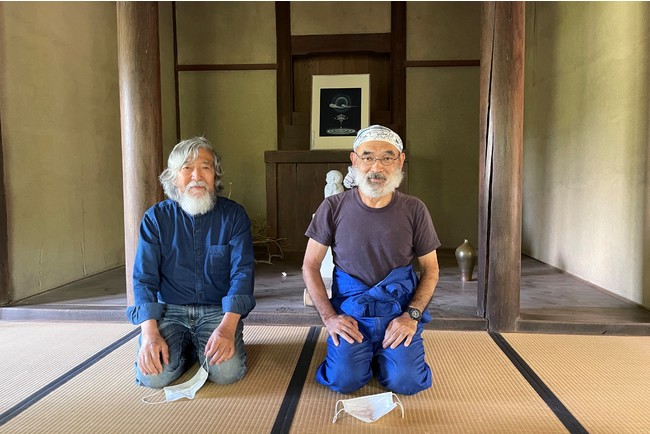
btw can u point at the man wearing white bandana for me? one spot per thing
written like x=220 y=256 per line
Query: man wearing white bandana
x=378 y=306
x=193 y=275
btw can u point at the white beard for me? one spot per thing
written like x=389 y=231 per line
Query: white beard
x=375 y=190
x=197 y=205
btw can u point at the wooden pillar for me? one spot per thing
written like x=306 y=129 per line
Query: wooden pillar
x=501 y=142
x=284 y=74
x=141 y=119
x=398 y=66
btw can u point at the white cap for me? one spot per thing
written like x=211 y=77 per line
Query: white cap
x=380 y=133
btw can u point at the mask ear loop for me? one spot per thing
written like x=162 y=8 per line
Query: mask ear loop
x=207 y=366
x=337 y=410
x=144 y=398
x=400 y=404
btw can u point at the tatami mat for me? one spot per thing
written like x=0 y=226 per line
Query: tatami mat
x=603 y=380
x=34 y=354
x=104 y=398
x=476 y=389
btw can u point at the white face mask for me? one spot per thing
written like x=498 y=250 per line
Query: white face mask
x=187 y=389
x=369 y=408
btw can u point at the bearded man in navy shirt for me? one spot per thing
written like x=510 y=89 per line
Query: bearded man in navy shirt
x=193 y=275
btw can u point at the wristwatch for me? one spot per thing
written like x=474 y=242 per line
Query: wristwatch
x=414 y=314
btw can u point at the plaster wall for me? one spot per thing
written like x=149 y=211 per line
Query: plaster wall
x=59 y=103
x=235 y=109
x=442 y=148
x=226 y=32
x=442 y=112
x=586 y=140
x=443 y=30
x=331 y=18
x=239 y=120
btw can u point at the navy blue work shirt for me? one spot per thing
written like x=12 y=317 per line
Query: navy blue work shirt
x=193 y=260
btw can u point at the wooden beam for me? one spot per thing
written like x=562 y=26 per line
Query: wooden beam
x=141 y=118
x=501 y=143
x=177 y=96
x=303 y=45
x=441 y=63
x=285 y=70
x=228 y=67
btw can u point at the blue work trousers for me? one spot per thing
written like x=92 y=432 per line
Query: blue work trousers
x=186 y=330
x=348 y=367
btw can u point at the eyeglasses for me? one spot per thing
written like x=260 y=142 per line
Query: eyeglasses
x=369 y=160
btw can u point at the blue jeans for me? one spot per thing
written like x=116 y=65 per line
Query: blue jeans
x=186 y=330
x=350 y=366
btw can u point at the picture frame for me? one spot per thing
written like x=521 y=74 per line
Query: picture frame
x=340 y=107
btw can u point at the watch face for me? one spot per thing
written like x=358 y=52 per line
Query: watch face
x=415 y=314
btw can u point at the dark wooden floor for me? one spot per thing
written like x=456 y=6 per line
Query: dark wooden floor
x=551 y=301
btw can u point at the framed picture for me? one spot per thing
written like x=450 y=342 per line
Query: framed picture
x=340 y=107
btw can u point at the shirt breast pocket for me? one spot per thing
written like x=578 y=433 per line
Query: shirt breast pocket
x=219 y=263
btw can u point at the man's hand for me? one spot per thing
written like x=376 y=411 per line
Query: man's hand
x=400 y=329
x=221 y=345
x=344 y=326
x=153 y=346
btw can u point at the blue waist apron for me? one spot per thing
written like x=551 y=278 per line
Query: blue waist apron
x=388 y=298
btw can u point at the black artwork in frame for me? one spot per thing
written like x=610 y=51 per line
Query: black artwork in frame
x=340 y=112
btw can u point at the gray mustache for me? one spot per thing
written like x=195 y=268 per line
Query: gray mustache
x=375 y=175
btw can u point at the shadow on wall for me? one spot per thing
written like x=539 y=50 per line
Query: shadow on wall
x=645 y=262
x=539 y=102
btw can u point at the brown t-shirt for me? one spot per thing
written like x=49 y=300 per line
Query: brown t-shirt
x=368 y=243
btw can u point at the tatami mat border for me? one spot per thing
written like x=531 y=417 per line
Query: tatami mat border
x=559 y=409
x=294 y=390
x=58 y=382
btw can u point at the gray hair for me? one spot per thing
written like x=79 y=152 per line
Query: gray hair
x=186 y=152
